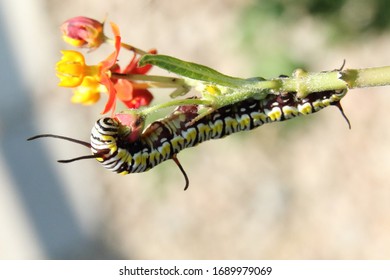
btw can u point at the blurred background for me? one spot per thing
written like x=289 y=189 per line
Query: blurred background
x=309 y=188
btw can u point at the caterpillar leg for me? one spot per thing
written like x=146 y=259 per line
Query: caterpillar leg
x=176 y=160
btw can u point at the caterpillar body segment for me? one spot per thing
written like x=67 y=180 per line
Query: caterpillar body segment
x=165 y=138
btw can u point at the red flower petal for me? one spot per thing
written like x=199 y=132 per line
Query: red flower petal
x=124 y=90
x=110 y=105
x=112 y=58
x=131 y=66
x=144 y=69
x=115 y=29
x=141 y=97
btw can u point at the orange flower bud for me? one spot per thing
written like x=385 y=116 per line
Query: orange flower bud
x=83 y=32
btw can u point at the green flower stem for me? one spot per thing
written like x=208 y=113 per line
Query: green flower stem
x=134 y=49
x=304 y=83
x=159 y=81
x=368 y=77
x=301 y=82
x=190 y=101
x=126 y=46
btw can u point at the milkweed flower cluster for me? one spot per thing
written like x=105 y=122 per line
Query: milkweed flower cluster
x=90 y=81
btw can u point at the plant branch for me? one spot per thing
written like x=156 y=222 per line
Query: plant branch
x=305 y=83
x=368 y=77
x=160 y=81
x=126 y=46
x=188 y=101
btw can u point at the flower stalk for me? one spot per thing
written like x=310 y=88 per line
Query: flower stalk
x=159 y=81
x=126 y=46
x=305 y=83
x=189 y=101
x=368 y=77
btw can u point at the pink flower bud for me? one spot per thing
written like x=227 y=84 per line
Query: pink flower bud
x=83 y=32
x=132 y=125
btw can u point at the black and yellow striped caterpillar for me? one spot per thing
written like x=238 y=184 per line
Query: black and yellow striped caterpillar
x=165 y=138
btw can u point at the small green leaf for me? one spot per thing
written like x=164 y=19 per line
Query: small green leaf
x=191 y=70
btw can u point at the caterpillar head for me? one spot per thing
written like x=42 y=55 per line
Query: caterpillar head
x=104 y=136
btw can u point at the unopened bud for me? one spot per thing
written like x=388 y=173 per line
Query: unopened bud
x=83 y=32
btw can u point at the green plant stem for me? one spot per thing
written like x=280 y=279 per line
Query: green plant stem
x=190 y=101
x=134 y=49
x=126 y=46
x=368 y=77
x=159 y=81
x=301 y=82
x=304 y=83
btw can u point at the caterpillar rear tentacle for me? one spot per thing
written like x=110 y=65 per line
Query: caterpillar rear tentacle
x=338 y=105
x=176 y=160
x=165 y=138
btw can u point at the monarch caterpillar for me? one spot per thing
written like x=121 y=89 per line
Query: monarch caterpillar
x=163 y=139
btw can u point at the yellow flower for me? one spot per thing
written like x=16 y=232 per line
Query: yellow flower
x=71 y=69
x=88 y=92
